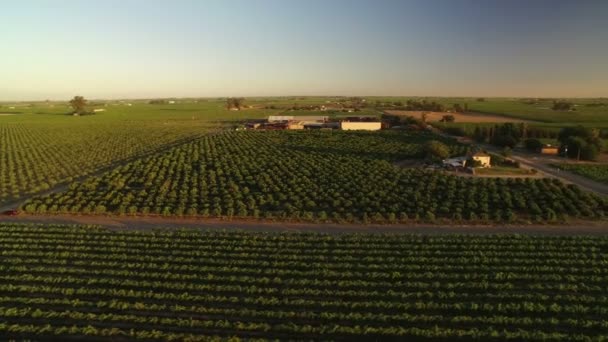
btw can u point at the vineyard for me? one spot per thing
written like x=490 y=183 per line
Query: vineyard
x=314 y=176
x=596 y=172
x=85 y=282
x=37 y=155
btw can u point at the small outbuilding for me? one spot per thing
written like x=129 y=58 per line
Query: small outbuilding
x=549 y=149
x=483 y=158
x=366 y=126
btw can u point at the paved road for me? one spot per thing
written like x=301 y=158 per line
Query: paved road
x=147 y=223
x=568 y=177
x=543 y=164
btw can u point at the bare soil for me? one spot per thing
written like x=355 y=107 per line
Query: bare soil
x=460 y=117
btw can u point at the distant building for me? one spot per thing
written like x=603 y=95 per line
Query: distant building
x=97 y=110
x=482 y=158
x=252 y=125
x=295 y=125
x=549 y=149
x=455 y=163
x=303 y=118
x=365 y=126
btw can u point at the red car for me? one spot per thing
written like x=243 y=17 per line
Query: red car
x=12 y=212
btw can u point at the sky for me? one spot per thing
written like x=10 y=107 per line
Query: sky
x=205 y=48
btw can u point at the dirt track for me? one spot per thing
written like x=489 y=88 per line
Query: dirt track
x=146 y=223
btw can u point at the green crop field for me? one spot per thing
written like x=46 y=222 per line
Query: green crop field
x=595 y=172
x=86 y=283
x=312 y=175
x=591 y=111
x=42 y=146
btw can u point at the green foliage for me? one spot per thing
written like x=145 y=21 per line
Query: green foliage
x=235 y=102
x=582 y=142
x=593 y=171
x=88 y=284
x=506 y=135
x=333 y=176
x=562 y=105
x=38 y=152
x=533 y=144
x=436 y=150
x=78 y=104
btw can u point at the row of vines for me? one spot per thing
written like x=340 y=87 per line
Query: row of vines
x=314 y=176
x=597 y=172
x=39 y=154
x=86 y=282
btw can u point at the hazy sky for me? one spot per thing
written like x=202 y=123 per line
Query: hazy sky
x=121 y=49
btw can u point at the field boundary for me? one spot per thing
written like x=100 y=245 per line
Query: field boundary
x=574 y=227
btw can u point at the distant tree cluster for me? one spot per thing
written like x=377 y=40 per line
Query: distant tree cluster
x=533 y=144
x=562 y=106
x=412 y=105
x=580 y=142
x=448 y=118
x=407 y=121
x=78 y=104
x=158 y=101
x=458 y=108
x=503 y=135
x=235 y=102
x=424 y=105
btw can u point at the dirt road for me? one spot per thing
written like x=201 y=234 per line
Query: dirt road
x=147 y=223
x=459 y=117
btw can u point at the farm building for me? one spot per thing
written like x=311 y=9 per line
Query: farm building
x=366 y=126
x=303 y=118
x=455 y=163
x=482 y=158
x=295 y=125
x=549 y=149
x=97 y=110
x=252 y=125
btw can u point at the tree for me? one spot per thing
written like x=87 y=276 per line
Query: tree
x=436 y=150
x=581 y=142
x=78 y=104
x=448 y=118
x=507 y=134
x=235 y=102
x=480 y=134
x=533 y=144
x=562 y=105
